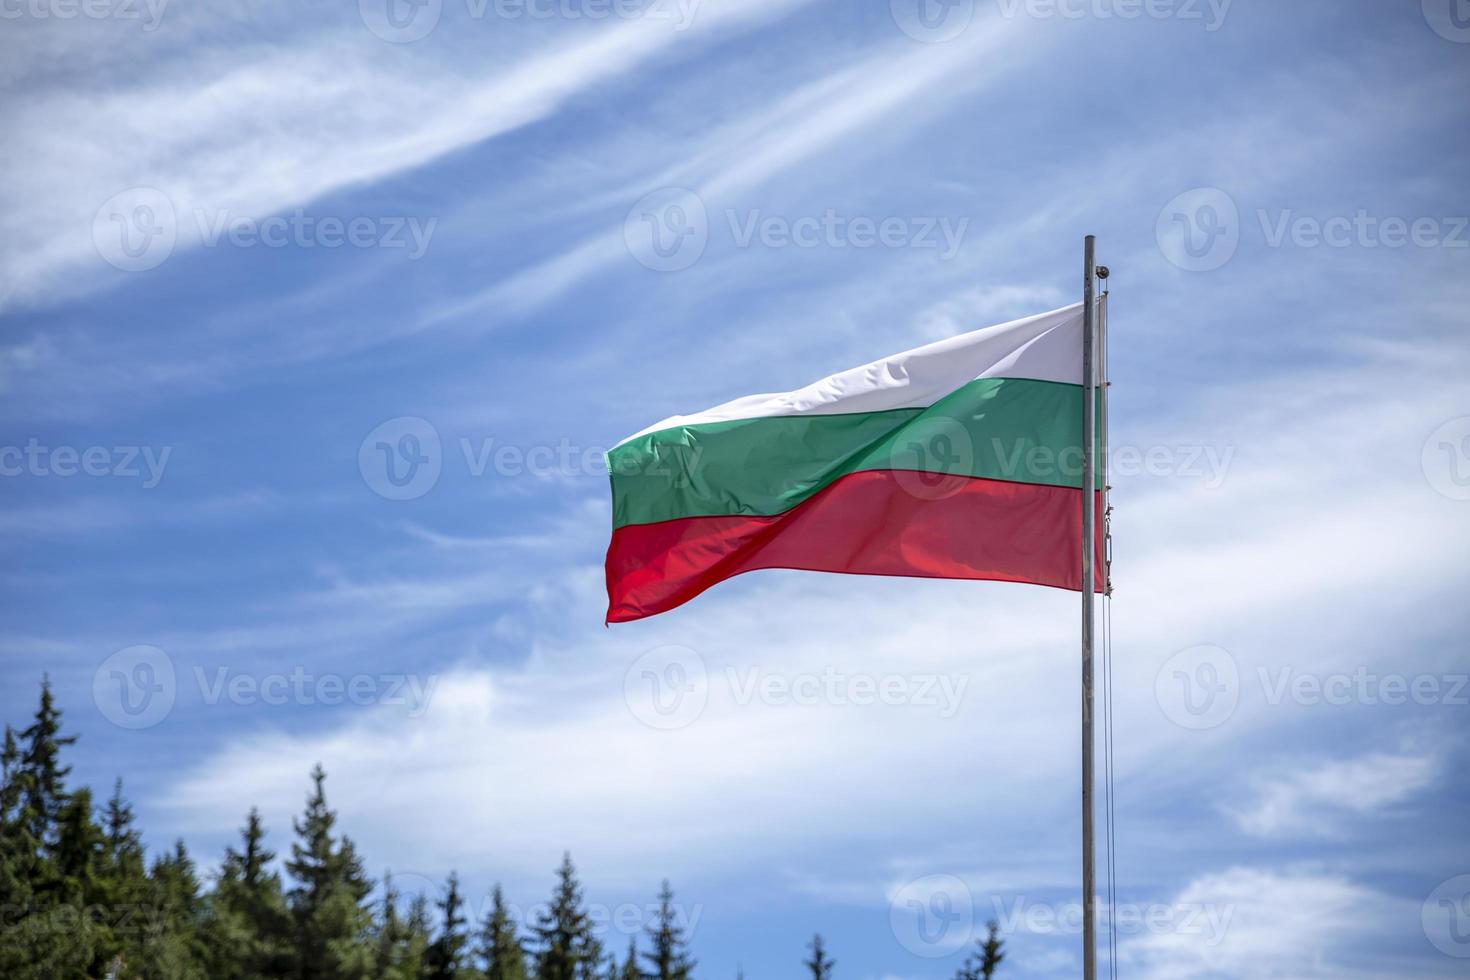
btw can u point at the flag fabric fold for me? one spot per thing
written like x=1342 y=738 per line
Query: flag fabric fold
x=960 y=459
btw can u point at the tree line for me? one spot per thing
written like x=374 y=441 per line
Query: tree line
x=79 y=900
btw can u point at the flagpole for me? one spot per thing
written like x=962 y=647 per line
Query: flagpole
x=1089 y=558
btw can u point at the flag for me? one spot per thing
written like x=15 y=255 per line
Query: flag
x=961 y=459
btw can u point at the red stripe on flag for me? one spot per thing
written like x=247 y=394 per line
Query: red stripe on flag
x=884 y=522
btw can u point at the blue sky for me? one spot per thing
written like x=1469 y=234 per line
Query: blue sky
x=241 y=245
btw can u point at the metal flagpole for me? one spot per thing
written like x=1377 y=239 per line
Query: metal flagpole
x=1089 y=557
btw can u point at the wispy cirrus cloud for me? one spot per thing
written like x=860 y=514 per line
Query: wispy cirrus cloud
x=1311 y=799
x=272 y=125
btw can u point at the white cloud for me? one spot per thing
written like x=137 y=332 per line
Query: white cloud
x=1310 y=799
x=877 y=95
x=1288 y=925
x=256 y=128
x=499 y=751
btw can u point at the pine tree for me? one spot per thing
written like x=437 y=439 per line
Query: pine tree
x=402 y=942
x=172 y=948
x=669 y=958
x=563 y=932
x=981 y=965
x=630 y=970
x=593 y=964
x=819 y=965
x=331 y=922
x=418 y=932
x=125 y=887
x=500 y=948
x=78 y=886
x=44 y=794
x=46 y=931
x=17 y=848
x=446 y=954
x=248 y=926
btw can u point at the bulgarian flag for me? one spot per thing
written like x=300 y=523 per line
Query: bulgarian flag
x=961 y=459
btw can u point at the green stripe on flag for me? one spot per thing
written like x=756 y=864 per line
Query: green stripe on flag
x=995 y=428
